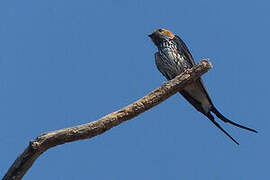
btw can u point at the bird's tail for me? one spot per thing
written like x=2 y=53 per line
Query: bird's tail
x=224 y=119
x=212 y=119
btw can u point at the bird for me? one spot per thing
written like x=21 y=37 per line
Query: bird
x=173 y=58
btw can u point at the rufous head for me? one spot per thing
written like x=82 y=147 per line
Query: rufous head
x=160 y=35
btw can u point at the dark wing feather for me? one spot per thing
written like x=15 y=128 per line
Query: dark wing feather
x=191 y=100
x=182 y=49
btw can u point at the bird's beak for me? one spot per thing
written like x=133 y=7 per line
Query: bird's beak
x=153 y=37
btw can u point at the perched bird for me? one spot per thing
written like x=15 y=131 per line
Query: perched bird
x=173 y=58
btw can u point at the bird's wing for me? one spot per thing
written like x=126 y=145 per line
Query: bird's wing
x=183 y=50
x=192 y=100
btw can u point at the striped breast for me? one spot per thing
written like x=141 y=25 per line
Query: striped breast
x=173 y=61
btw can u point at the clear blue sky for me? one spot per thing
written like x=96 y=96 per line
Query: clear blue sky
x=65 y=63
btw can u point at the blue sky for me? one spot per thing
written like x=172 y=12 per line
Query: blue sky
x=65 y=63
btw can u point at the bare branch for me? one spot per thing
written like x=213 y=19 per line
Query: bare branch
x=89 y=130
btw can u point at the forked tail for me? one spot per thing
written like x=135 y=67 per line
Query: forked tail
x=224 y=119
x=212 y=119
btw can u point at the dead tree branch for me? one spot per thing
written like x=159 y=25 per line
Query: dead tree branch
x=89 y=130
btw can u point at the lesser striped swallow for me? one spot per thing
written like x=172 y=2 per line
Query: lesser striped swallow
x=173 y=58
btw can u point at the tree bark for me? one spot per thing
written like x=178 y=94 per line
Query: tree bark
x=85 y=131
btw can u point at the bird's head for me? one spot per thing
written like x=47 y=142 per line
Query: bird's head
x=160 y=35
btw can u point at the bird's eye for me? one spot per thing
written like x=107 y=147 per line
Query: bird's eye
x=160 y=30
